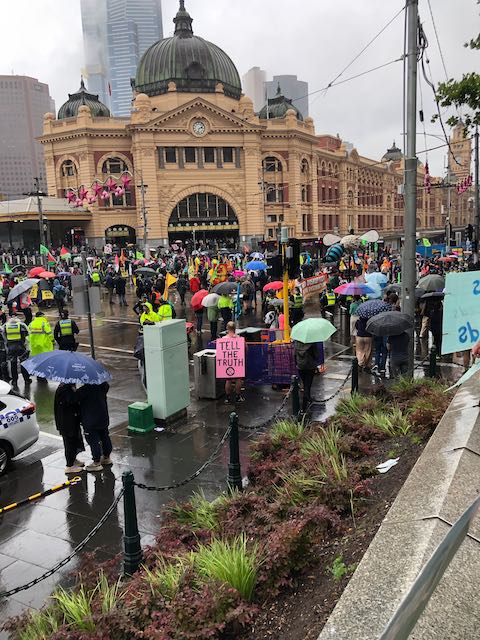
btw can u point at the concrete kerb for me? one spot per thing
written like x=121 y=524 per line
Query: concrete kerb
x=442 y=484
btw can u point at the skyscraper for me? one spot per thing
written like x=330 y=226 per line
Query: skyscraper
x=116 y=33
x=291 y=88
x=23 y=103
x=253 y=83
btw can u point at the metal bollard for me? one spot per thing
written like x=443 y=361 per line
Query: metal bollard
x=131 y=538
x=295 y=397
x=432 y=363
x=234 y=478
x=355 y=375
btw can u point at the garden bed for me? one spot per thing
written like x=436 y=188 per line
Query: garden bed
x=269 y=562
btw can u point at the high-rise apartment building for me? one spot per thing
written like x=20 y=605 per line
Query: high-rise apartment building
x=116 y=33
x=253 y=83
x=291 y=88
x=23 y=103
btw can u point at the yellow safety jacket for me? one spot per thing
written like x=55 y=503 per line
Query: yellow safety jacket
x=225 y=303
x=297 y=301
x=66 y=328
x=95 y=277
x=151 y=316
x=331 y=299
x=165 y=312
x=40 y=336
x=13 y=332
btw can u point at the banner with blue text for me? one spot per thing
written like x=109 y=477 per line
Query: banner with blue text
x=461 y=311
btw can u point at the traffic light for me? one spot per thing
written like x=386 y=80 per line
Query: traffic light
x=293 y=258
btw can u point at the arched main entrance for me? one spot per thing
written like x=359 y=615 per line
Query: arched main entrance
x=204 y=219
x=120 y=234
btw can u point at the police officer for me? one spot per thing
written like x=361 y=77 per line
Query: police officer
x=64 y=333
x=296 y=307
x=41 y=338
x=327 y=301
x=14 y=334
x=96 y=279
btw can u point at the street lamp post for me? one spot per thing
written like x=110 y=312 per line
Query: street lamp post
x=41 y=221
x=143 y=187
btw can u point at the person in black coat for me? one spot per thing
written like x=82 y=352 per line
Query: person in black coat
x=120 y=289
x=306 y=359
x=67 y=421
x=95 y=420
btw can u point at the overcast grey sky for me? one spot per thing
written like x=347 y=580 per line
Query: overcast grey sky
x=314 y=39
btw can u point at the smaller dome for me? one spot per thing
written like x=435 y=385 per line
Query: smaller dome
x=394 y=153
x=277 y=107
x=82 y=98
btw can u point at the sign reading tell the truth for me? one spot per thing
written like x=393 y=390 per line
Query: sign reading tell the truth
x=461 y=311
x=230 y=357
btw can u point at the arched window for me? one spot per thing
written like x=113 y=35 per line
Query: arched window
x=330 y=172
x=304 y=167
x=202 y=209
x=305 y=186
x=324 y=170
x=272 y=164
x=68 y=169
x=335 y=170
x=114 y=165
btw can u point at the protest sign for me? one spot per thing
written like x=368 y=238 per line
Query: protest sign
x=314 y=285
x=475 y=368
x=230 y=357
x=461 y=311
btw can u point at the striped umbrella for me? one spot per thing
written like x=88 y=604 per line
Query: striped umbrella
x=354 y=289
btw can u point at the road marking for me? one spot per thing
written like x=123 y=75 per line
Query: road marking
x=107 y=348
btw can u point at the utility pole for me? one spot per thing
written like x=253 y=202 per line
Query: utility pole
x=448 y=226
x=146 y=249
x=409 y=271
x=477 y=199
x=41 y=221
x=89 y=307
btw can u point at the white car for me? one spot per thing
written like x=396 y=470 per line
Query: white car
x=18 y=425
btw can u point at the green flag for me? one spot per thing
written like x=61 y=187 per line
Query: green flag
x=6 y=268
x=426 y=242
x=43 y=250
x=139 y=255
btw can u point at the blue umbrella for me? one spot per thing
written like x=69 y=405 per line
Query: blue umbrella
x=377 y=278
x=68 y=367
x=372 y=307
x=256 y=265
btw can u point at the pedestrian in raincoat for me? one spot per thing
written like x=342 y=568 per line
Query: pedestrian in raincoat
x=41 y=336
x=148 y=316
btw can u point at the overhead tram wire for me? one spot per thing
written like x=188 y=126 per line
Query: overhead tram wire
x=438 y=40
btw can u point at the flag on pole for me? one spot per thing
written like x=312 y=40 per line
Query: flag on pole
x=45 y=252
x=6 y=268
x=169 y=280
x=65 y=254
x=426 y=242
x=139 y=255
x=117 y=263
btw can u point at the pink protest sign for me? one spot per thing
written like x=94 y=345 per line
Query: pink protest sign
x=230 y=357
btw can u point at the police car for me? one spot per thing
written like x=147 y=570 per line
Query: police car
x=18 y=425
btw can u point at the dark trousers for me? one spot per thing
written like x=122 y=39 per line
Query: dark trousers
x=213 y=330
x=67 y=344
x=14 y=355
x=60 y=305
x=110 y=296
x=199 y=318
x=182 y=296
x=72 y=445
x=226 y=314
x=296 y=315
x=306 y=376
x=99 y=442
x=27 y=312
x=381 y=352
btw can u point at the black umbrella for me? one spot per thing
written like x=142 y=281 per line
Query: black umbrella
x=389 y=323
x=146 y=271
x=224 y=288
x=433 y=294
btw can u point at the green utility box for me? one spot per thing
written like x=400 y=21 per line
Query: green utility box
x=140 y=417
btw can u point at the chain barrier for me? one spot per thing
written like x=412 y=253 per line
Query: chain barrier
x=262 y=425
x=417 y=366
x=194 y=475
x=78 y=548
x=335 y=393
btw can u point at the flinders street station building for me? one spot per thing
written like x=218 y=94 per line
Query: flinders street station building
x=200 y=164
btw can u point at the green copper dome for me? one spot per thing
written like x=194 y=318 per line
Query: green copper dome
x=82 y=97
x=194 y=64
x=277 y=107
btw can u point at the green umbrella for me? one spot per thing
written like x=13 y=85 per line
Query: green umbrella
x=313 y=330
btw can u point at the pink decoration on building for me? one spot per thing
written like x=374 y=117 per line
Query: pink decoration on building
x=110 y=185
x=119 y=191
x=105 y=195
x=97 y=188
x=78 y=202
x=82 y=193
x=91 y=199
x=126 y=180
x=71 y=196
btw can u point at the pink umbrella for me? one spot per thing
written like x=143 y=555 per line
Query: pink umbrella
x=238 y=274
x=273 y=286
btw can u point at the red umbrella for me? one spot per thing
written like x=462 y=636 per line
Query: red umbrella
x=448 y=259
x=273 y=286
x=35 y=271
x=46 y=274
x=197 y=298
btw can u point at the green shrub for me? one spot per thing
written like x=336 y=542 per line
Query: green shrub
x=41 y=625
x=393 y=422
x=356 y=405
x=232 y=562
x=75 y=607
x=339 y=569
x=286 y=429
x=164 y=579
x=198 y=512
x=298 y=487
x=339 y=467
x=325 y=442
